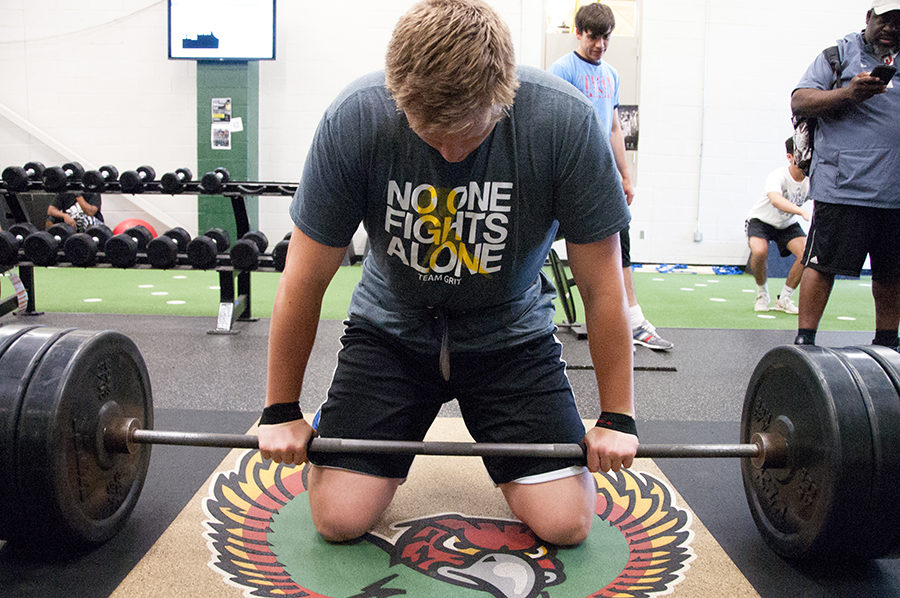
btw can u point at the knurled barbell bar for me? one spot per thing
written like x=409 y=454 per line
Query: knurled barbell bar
x=125 y=434
x=817 y=444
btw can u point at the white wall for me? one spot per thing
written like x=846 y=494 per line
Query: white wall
x=716 y=79
x=90 y=81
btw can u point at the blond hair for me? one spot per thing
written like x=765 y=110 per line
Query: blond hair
x=451 y=61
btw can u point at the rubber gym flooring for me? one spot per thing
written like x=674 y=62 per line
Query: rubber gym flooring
x=191 y=532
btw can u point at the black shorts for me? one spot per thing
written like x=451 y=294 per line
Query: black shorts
x=782 y=236
x=383 y=391
x=625 y=244
x=841 y=236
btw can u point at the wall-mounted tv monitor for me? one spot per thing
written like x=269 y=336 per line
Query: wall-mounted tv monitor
x=222 y=29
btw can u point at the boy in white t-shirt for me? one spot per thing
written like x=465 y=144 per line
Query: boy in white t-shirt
x=774 y=217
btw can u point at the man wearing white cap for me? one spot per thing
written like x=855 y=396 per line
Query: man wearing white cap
x=855 y=172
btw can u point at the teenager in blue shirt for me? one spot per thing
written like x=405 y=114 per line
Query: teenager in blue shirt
x=599 y=82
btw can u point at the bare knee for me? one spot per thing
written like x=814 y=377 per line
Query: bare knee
x=345 y=504
x=340 y=527
x=566 y=529
x=560 y=512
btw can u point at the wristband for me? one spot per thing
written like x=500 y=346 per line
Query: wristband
x=280 y=413
x=618 y=422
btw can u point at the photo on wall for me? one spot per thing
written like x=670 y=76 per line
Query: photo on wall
x=628 y=116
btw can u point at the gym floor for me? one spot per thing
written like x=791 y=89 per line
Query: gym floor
x=215 y=383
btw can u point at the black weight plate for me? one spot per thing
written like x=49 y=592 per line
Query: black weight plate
x=75 y=491
x=21 y=349
x=808 y=511
x=887 y=430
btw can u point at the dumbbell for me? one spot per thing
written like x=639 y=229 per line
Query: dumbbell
x=96 y=180
x=42 y=247
x=57 y=178
x=279 y=253
x=17 y=177
x=174 y=182
x=121 y=250
x=162 y=252
x=133 y=181
x=213 y=182
x=245 y=253
x=81 y=248
x=203 y=251
x=11 y=240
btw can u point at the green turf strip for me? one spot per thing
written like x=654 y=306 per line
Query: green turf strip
x=670 y=300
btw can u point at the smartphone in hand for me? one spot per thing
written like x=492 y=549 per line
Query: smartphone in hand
x=884 y=72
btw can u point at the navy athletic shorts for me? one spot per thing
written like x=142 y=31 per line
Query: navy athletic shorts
x=383 y=391
x=782 y=236
x=841 y=236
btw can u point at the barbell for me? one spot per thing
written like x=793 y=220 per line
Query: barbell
x=818 y=439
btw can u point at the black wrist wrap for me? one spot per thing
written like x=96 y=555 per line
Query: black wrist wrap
x=618 y=422
x=280 y=413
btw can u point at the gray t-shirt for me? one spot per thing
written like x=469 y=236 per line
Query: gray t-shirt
x=459 y=245
x=856 y=160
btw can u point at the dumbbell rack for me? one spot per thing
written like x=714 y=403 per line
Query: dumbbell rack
x=234 y=285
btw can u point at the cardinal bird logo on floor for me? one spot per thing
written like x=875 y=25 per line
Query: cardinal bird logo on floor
x=261 y=537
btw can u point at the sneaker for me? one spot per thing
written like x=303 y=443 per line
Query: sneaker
x=802 y=340
x=762 y=302
x=786 y=305
x=645 y=335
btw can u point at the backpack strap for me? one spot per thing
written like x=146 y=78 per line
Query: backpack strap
x=832 y=55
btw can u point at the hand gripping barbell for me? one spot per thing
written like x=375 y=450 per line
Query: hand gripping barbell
x=818 y=442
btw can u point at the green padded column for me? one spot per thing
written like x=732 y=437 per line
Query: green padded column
x=240 y=82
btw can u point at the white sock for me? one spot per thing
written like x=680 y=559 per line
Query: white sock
x=786 y=292
x=762 y=289
x=636 y=315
